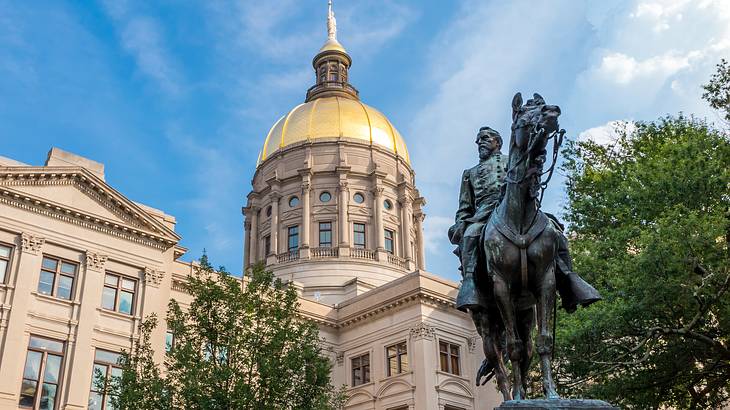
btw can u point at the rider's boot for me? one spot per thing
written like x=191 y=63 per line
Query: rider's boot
x=572 y=288
x=468 y=296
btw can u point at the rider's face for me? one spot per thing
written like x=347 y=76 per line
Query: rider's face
x=487 y=144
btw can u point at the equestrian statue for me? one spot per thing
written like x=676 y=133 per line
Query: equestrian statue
x=514 y=257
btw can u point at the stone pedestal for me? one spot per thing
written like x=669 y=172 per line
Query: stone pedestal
x=559 y=404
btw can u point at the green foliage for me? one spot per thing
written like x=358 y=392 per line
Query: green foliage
x=650 y=228
x=236 y=347
x=717 y=91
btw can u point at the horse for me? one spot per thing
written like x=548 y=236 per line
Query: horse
x=520 y=247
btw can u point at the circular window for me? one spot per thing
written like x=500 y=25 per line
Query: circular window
x=325 y=196
x=387 y=204
x=268 y=211
x=358 y=198
x=293 y=201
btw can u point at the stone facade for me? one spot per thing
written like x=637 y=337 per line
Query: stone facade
x=70 y=214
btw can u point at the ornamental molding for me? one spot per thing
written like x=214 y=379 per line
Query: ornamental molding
x=95 y=261
x=359 y=210
x=471 y=342
x=391 y=218
x=340 y=358
x=295 y=213
x=32 y=244
x=422 y=331
x=153 y=277
x=319 y=209
x=133 y=223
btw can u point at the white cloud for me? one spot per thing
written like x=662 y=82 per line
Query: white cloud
x=607 y=133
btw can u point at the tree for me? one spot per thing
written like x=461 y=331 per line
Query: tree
x=717 y=91
x=234 y=348
x=650 y=226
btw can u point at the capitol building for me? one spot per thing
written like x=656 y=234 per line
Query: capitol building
x=333 y=209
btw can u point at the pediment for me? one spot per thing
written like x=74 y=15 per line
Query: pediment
x=325 y=210
x=296 y=213
x=76 y=195
x=78 y=198
x=357 y=210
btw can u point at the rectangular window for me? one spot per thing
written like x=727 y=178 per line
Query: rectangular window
x=169 y=341
x=397 y=357
x=358 y=235
x=41 y=375
x=388 y=241
x=361 y=369
x=118 y=293
x=57 y=277
x=106 y=368
x=267 y=245
x=4 y=261
x=449 y=357
x=325 y=234
x=293 y=236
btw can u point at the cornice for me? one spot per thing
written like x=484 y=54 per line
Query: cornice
x=416 y=296
x=137 y=227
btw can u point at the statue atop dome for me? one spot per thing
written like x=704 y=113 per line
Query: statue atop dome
x=331 y=22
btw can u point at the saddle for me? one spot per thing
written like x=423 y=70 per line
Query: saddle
x=522 y=241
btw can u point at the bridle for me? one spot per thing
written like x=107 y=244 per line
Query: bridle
x=535 y=135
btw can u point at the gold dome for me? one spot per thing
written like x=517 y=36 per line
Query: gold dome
x=333 y=117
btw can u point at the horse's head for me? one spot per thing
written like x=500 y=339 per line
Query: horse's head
x=534 y=119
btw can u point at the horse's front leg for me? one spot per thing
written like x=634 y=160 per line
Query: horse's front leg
x=525 y=324
x=495 y=350
x=503 y=297
x=545 y=301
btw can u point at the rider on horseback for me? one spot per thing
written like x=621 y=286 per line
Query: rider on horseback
x=482 y=188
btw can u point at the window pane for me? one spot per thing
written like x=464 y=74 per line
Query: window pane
x=45 y=284
x=108 y=405
x=366 y=375
x=4 y=251
x=3 y=269
x=169 y=340
x=111 y=280
x=127 y=284
x=403 y=362
x=65 y=284
x=52 y=369
x=32 y=365
x=106 y=356
x=27 y=392
x=108 y=298
x=455 y=365
x=444 y=358
x=443 y=347
x=454 y=350
x=356 y=380
x=390 y=351
x=50 y=264
x=68 y=268
x=356 y=362
x=95 y=401
x=48 y=397
x=125 y=302
x=392 y=366
x=46 y=344
x=116 y=372
x=98 y=378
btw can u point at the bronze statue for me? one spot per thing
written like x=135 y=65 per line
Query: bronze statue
x=513 y=256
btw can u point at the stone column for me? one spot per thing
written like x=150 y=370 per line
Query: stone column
x=377 y=192
x=306 y=217
x=424 y=361
x=343 y=223
x=421 y=258
x=253 y=236
x=16 y=341
x=246 y=241
x=81 y=356
x=275 y=196
x=405 y=230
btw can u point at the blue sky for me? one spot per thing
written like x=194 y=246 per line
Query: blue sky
x=176 y=98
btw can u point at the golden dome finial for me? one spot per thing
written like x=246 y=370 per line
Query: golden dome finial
x=331 y=22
